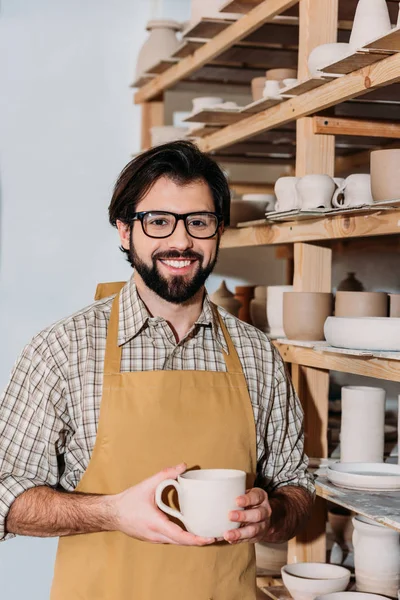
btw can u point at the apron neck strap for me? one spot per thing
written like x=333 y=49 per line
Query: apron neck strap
x=112 y=359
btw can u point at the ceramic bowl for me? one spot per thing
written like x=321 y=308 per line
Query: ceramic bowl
x=205 y=102
x=351 y=596
x=394 y=301
x=363 y=333
x=385 y=174
x=306 y=581
x=304 y=314
x=324 y=55
x=361 y=304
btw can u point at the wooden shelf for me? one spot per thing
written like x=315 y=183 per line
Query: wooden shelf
x=382 y=507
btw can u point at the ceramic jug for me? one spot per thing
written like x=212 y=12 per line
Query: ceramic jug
x=371 y=20
x=286 y=194
x=376 y=557
x=315 y=191
x=355 y=191
x=161 y=43
x=224 y=297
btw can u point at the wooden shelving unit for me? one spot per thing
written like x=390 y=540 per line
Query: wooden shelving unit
x=325 y=126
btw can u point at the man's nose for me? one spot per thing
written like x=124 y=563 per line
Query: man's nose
x=180 y=239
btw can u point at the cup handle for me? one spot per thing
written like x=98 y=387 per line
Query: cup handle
x=164 y=507
x=335 y=199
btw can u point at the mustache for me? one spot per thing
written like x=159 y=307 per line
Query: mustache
x=186 y=254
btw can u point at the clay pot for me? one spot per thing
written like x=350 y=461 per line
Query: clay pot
x=394 y=302
x=315 y=191
x=371 y=20
x=304 y=314
x=258 y=309
x=280 y=74
x=223 y=297
x=361 y=304
x=376 y=557
x=324 y=55
x=257 y=88
x=275 y=309
x=385 y=175
x=362 y=432
x=350 y=284
x=161 y=43
x=244 y=293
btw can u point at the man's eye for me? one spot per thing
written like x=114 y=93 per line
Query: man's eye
x=197 y=223
x=158 y=222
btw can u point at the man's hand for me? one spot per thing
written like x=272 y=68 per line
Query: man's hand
x=138 y=516
x=254 y=518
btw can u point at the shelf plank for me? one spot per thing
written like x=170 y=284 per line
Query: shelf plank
x=259 y=105
x=391 y=41
x=187 y=47
x=200 y=132
x=207 y=28
x=215 y=117
x=353 y=62
x=305 y=86
x=239 y=6
x=385 y=72
x=236 y=32
x=368 y=367
x=382 y=507
x=355 y=127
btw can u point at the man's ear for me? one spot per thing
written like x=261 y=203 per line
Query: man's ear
x=124 y=233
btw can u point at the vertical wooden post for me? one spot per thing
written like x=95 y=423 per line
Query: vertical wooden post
x=312 y=272
x=152 y=116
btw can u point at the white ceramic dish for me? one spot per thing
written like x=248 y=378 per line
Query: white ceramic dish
x=365 y=476
x=306 y=581
x=326 y=54
x=351 y=596
x=364 y=333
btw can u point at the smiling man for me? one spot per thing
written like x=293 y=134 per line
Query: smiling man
x=100 y=404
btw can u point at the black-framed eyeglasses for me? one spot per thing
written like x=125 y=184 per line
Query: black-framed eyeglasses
x=161 y=224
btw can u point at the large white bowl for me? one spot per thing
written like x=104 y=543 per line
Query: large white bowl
x=306 y=581
x=364 y=333
x=326 y=54
x=351 y=596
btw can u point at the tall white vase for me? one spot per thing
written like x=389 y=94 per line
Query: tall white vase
x=161 y=43
x=376 y=557
x=275 y=309
x=371 y=20
x=362 y=433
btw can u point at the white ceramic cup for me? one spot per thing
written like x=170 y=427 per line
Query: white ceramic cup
x=290 y=82
x=272 y=89
x=205 y=102
x=286 y=194
x=206 y=497
x=355 y=190
x=315 y=191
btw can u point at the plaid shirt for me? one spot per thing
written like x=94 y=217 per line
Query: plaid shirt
x=50 y=409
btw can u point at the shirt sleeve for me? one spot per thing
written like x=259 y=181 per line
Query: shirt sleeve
x=31 y=432
x=284 y=461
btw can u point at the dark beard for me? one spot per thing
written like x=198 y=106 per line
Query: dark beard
x=176 y=289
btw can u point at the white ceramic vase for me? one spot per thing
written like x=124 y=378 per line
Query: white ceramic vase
x=376 y=557
x=275 y=309
x=161 y=43
x=371 y=20
x=362 y=433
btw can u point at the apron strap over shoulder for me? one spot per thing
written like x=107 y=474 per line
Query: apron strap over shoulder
x=112 y=359
x=104 y=290
x=232 y=361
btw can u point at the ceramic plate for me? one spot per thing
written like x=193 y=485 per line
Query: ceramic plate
x=365 y=476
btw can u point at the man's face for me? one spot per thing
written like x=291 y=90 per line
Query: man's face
x=176 y=267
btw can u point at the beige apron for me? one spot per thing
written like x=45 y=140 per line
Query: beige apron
x=150 y=420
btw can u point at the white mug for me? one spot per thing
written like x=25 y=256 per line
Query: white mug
x=355 y=191
x=206 y=497
x=286 y=194
x=272 y=89
x=315 y=191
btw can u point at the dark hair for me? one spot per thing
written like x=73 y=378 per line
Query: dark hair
x=180 y=161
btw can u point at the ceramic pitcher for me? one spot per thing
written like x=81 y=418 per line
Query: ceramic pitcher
x=315 y=191
x=376 y=557
x=371 y=20
x=355 y=191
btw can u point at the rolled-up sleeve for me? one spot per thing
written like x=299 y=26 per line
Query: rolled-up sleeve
x=31 y=432
x=286 y=462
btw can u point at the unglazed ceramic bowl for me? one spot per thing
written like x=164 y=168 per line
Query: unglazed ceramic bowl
x=304 y=314
x=306 y=581
x=326 y=54
x=351 y=596
x=257 y=87
x=385 y=175
x=361 y=304
x=364 y=333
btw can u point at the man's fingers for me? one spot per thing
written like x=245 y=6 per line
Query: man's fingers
x=168 y=473
x=247 y=533
x=178 y=536
x=252 y=498
x=251 y=515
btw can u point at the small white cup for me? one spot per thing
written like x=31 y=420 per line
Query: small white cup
x=272 y=89
x=354 y=191
x=315 y=191
x=205 y=102
x=206 y=497
x=290 y=82
x=286 y=194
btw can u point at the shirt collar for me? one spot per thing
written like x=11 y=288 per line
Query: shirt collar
x=134 y=316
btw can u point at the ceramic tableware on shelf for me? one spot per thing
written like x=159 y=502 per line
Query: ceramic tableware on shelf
x=257 y=87
x=350 y=284
x=202 y=102
x=350 y=596
x=281 y=74
x=376 y=557
x=161 y=43
x=227 y=105
x=224 y=297
x=304 y=314
x=355 y=191
x=385 y=175
x=394 y=304
x=375 y=477
x=286 y=194
x=362 y=430
x=244 y=293
x=272 y=89
x=290 y=82
x=164 y=134
x=206 y=496
x=315 y=191
x=209 y=9
x=372 y=20
x=361 y=304
x=258 y=308
x=306 y=581
x=380 y=334
x=275 y=309
x=324 y=55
